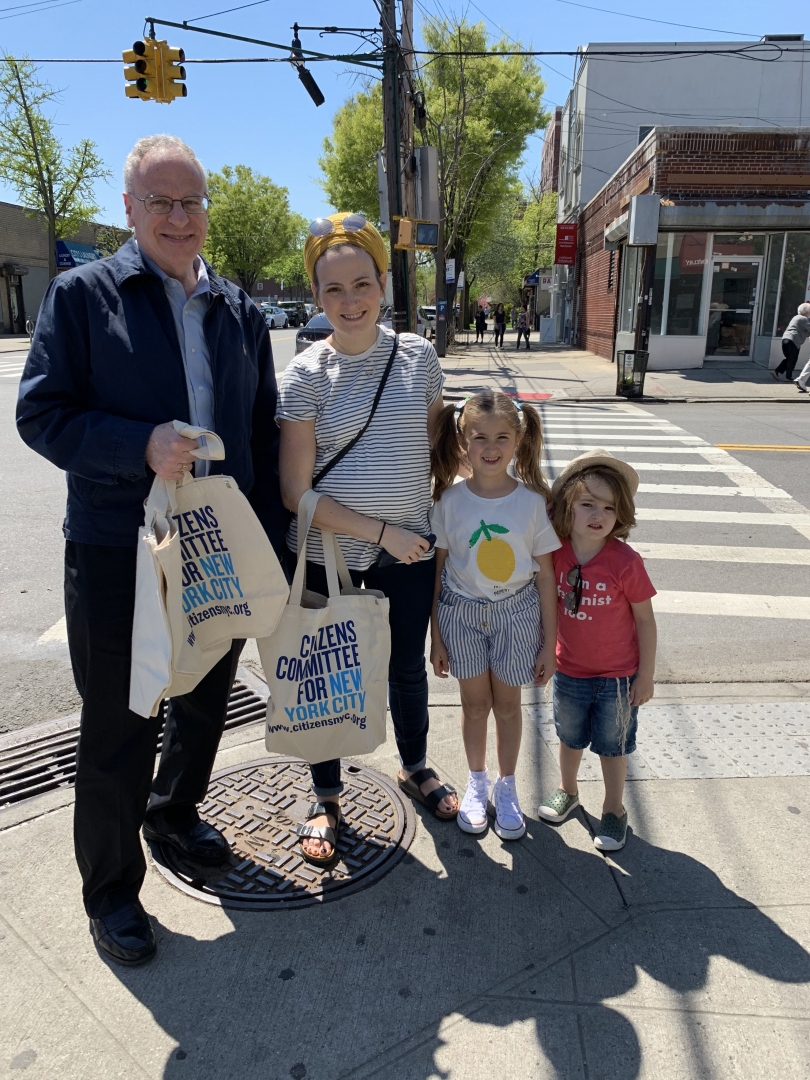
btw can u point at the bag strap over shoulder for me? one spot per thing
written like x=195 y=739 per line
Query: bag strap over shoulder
x=341 y=454
x=337 y=573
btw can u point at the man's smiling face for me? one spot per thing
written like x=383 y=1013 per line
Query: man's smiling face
x=174 y=240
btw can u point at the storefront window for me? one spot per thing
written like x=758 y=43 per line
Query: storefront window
x=679 y=268
x=771 y=293
x=794 y=278
x=739 y=244
x=631 y=266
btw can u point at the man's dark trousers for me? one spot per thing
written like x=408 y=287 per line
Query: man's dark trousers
x=117 y=747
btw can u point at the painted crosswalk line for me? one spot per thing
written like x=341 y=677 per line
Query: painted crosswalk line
x=738 y=605
x=54 y=635
x=713 y=490
x=729 y=468
x=581 y=446
x=765 y=556
x=691 y=439
x=723 y=517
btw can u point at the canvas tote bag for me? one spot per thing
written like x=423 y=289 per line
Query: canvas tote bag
x=327 y=663
x=206 y=574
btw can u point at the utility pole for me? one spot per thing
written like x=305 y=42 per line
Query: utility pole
x=407 y=139
x=441 y=291
x=393 y=162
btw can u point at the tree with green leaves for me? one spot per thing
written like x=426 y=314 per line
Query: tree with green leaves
x=289 y=268
x=50 y=180
x=349 y=164
x=250 y=225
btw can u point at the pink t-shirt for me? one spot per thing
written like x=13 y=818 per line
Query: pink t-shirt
x=601 y=640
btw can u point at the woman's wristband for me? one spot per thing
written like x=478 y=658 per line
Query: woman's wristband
x=382 y=530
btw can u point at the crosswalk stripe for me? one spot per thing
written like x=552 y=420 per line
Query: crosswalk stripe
x=723 y=553
x=630 y=438
x=723 y=517
x=746 y=605
x=709 y=489
x=582 y=446
x=667 y=466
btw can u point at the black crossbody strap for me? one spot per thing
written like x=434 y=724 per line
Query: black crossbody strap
x=341 y=454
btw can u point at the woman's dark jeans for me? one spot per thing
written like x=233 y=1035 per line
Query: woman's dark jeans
x=410 y=593
x=500 y=329
x=790 y=351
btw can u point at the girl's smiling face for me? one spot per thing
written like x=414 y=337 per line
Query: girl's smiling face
x=490 y=445
x=593 y=512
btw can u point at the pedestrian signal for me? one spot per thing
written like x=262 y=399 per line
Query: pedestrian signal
x=154 y=73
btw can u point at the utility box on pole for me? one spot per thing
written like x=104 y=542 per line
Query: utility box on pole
x=382 y=192
x=642 y=228
x=427 y=183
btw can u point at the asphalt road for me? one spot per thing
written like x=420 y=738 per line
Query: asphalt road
x=708 y=645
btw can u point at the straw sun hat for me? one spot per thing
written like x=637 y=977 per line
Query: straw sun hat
x=593 y=459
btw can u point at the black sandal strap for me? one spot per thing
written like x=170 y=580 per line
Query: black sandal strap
x=422 y=775
x=433 y=798
x=317 y=832
x=319 y=809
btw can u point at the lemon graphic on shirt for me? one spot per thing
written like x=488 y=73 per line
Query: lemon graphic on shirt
x=495 y=557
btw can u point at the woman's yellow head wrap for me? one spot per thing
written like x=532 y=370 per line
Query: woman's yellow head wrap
x=367 y=238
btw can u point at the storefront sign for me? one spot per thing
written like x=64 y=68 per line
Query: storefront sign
x=565 y=250
x=692 y=253
x=545 y=282
x=449 y=271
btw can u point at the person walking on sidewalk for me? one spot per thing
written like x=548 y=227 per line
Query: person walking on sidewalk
x=376 y=498
x=523 y=328
x=124 y=346
x=480 y=325
x=500 y=325
x=606 y=635
x=797 y=332
x=494 y=615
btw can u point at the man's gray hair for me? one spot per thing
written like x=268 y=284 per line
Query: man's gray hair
x=804 y=309
x=168 y=145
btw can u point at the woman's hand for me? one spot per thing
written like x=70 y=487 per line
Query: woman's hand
x=438 y=657
x=546 y=664
x=405 y=546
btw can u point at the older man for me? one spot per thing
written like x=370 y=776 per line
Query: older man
x=123 y=347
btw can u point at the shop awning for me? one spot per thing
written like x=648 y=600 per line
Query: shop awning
x=69 y=254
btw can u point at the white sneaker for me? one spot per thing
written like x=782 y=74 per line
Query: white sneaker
x=472 y=814
x=509 y=822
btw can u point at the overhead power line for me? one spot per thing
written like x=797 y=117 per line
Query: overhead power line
x=647 y=18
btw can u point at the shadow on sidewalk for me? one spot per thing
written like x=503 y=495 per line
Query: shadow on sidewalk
x=376 y=984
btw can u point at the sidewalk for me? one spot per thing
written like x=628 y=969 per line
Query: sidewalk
x=561 y=372
x=14 y=343
x=686 y=956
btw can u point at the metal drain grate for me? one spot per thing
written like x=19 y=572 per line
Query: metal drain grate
x=43 y=757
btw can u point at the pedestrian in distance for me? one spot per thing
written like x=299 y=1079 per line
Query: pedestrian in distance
x=480 y=325
x=523 y=328
x=606 y=634
x=495 y=609
x=797 y=332
x=376 y=499
x=123 y=346
x=500 y=325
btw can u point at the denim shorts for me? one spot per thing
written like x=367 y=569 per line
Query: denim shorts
x=589 y=712
x=501 y=636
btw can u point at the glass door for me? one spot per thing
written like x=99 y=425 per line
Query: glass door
x=733 y=300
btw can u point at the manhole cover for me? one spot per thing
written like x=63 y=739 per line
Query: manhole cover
x=257 y=805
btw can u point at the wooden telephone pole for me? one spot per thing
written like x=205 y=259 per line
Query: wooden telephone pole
x=393 y=102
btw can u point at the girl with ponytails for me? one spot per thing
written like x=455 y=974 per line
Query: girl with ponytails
x=494 y=622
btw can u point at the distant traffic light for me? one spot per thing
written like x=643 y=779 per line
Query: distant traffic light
x=154 y=74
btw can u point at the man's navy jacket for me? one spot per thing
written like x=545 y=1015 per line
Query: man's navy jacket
x=106 y=367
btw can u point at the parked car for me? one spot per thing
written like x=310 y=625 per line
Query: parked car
x=275 y=317
x=296 y=312
x=311 y=310
x=316 y=329
x=421 y=326
x=428 y=313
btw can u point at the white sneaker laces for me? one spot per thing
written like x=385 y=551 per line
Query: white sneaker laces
x=474 y=804
x=507 y=807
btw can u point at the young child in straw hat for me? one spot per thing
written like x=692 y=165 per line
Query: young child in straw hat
x=606 y=635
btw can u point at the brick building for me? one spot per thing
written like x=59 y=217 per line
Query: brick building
x=550 y=162
x=733 y=246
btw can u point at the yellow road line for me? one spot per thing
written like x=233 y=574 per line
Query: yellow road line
x=778 y=449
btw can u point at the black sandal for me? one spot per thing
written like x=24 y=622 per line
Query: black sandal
x=321 y=832
x=433 y=798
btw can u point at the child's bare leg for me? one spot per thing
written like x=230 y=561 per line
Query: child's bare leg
x=569 y=768
x=508 y=724
x=614 y=772
x=476 y=703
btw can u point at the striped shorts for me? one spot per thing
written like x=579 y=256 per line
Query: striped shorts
x=502 y=636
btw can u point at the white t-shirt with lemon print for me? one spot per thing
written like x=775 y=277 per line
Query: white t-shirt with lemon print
x=491 y=542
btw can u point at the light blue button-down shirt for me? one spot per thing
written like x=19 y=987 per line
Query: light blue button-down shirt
x=189 y=313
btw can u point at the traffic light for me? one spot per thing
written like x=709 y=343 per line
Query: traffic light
x=141 y=75
x=297 y=61
x=154 y=74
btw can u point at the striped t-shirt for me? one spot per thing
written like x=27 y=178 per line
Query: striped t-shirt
x=387 y=475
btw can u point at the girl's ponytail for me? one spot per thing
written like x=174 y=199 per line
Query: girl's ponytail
x=445 y=454
x=530 y=451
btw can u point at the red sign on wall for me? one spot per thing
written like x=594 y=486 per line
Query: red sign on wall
x=565 y=250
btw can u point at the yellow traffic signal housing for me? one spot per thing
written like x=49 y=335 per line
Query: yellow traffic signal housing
x=154 y=74
x=404 y=233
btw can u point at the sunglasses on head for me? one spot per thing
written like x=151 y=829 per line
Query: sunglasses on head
x=323 y=226
x=572 y=599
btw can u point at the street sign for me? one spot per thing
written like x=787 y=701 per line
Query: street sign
x=460 y=282
x=545 y=282
x=449 y=271
x=565 y=250
x=441 y=311
x=532 y=279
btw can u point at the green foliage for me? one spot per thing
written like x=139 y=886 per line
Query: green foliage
x=289 y=267
x=520 y=239
x=349 y=165
x=109 y=239
x=250 y=224
x=48 y=178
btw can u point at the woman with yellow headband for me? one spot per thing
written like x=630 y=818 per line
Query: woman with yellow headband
x=376 y=497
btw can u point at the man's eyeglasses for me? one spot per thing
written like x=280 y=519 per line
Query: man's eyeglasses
x=162 y=204
x=572 y=600
x=323 y=226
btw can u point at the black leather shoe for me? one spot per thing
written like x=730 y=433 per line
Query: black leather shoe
x=202 y=843
x=125 y=936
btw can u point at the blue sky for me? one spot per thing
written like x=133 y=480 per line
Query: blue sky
x=259 y=114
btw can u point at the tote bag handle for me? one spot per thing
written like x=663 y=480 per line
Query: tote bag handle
x=337 y=573
x=162 y=498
